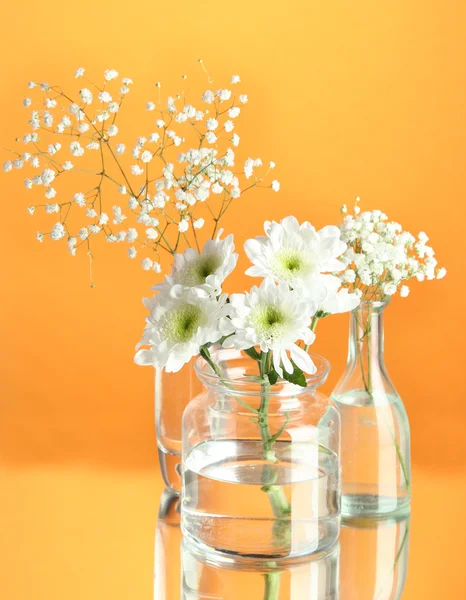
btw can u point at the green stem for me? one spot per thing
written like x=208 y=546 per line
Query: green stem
x=280 y=506
x=272 y=586
x=367 y=381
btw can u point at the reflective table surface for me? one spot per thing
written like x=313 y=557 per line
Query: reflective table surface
x=88 y=534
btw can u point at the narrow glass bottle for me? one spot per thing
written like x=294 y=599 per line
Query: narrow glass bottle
x=375 y=440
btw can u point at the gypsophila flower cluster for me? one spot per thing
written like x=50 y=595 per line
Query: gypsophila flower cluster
x=153 y=194
x=381 y=256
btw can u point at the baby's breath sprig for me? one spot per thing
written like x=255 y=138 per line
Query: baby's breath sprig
x=381 y=256
x=175 y=179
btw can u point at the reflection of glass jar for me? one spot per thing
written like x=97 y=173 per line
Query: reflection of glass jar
x=217 y=577
x=373 y=558
x=375 y=441
x=167 y=570
x=261 y=473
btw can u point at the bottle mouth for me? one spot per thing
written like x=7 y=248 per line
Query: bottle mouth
x=373 y=305
x=240 y=375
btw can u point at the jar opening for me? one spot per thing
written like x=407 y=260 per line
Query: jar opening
x=241 y=374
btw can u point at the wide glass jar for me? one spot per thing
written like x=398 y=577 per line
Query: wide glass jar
x=261 y=471
x=375 y=440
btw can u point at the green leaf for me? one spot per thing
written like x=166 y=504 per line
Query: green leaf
x=204 y=352
x=297 y=377
x=273 y=377
x=252 y=353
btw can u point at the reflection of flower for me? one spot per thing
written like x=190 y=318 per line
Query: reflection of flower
x=205 y=271
x=292 y=252
x=275 y=318
x=177 y=328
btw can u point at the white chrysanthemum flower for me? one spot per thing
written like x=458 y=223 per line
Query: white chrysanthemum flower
x=112 y=130
x=235 y=79
x=274 y=317
x=326 y=293
x=178 y=327
x=79 y=72
x=292 y=252
x=198 y=223
x=132 y=252
x=67 y=165
x=205 y=271
x=275 y=185
x=120 y=148
x=243 y=98
x=150 y=106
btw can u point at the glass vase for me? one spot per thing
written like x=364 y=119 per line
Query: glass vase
x=375 y=440
x=173 y=391
x=261 y=473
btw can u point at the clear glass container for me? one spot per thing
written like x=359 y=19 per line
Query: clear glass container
x=167 y=565
x=375 y=440
x=173 y=391
x=209 y=576
x=261 y=472
x=373 y=558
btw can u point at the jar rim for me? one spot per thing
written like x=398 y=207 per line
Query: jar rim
x=245 y=384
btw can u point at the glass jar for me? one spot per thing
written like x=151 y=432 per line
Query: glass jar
x=375 y=440
x=173 y=391
x=261 y=472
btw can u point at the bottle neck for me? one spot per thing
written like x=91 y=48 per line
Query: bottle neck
x=366 y=344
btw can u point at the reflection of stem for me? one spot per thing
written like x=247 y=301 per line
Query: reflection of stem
x=398 y=555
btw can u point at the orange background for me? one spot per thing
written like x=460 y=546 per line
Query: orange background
x=348 y=98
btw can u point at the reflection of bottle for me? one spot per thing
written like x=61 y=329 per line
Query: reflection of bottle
x=210 y=576
x=374 y=559
x=167 y=569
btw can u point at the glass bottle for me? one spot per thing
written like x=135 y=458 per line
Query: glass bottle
x=261 y=473
x=375 y=440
